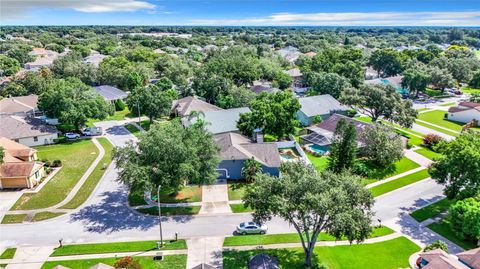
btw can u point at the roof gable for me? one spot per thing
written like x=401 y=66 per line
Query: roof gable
x=320 y=105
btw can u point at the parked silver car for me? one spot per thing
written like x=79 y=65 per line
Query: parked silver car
x=72 y=135
x=251 y=228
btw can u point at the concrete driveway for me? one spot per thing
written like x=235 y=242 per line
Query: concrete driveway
x=7 y=200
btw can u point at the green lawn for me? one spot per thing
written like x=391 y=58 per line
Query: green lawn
x=92 y=181
x=239 y=208
x=132 y=129
x=428 y=153
x=436 y=128
x=168 y=262
x=268 y=239
x=320 y=163
x=45 y=215
x=443 y=228
x=388 y=254
x=437 y=117
x=118 y=115
x=431 y=210
x=145 y=124
x=76 y=157
x=470 y=90
x=449 y=104
x=399 y=167
x=399 y=182
x=8 y=253
x=236 y=189
x=17 y=218
x=188 y=194
x=140 y=246
x=171 y=211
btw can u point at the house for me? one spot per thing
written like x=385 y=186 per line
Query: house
x=319 y=105
x=42 y=52
x=259 y=86
x=465 y=112
x=185 y=106
x=19 y=168
x=289 y=53
x=370 y=73
x=110 y=93
x=27 y=130
x=296 y=76
x=43 y=58
x=322 y=133
x=235 y=149
x=439 y=259
x=222 y=121
x=20 y=106
x=310 y=54
x=395 y=81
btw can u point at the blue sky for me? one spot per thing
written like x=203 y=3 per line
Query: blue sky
x=246 y=12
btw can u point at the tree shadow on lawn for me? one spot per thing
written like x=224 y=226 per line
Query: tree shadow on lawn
x=112 y=214
x=287 y=258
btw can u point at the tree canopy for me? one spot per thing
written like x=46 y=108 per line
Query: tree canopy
x=343 y=150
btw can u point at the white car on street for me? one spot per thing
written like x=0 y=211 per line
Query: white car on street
x=72 y=136
x=251 y=228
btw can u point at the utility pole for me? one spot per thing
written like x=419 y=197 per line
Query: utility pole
x=159 y=217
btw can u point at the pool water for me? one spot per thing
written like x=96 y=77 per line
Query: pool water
x=399 y=90
x=319 y=149
x=287 y=156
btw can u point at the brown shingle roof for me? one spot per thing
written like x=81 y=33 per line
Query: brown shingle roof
x=469 y=104
x=471 y=257
x=19 y=104
x=183 y=107
x=235 y=146
x=15 y=149
x=439 y=259
x=14 y=127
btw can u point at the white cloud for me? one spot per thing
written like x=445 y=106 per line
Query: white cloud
x=13 y=9
x=467 y=18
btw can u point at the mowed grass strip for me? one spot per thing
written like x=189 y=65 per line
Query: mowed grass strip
x=134 y=246
x=391 y=254
x=240 y=208
x=76 y=157
x=399 y=182
x=46 y=215
x=444 y=229
x=171 y=211
x=437 y=117
x=92 y=181
x=428 y=153
x=13 y=218
x=402 y=166
x=168 y=262
x=188 y=194
x=432 y=210
x=268 y=239
x=132 y=129
x=436 y=128
x=8 y=253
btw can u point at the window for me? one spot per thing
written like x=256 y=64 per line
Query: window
x=35 y=139
x=37 y=175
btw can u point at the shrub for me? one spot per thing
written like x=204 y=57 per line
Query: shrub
x=317 y=119
x=127 y=263
x=47 y=163
x=436 y=245
x=351 y=113
x=464 y=218
x=56 y=163
x=431 y=140
x=119 y=105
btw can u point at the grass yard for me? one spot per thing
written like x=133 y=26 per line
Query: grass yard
x=268 y=239
x=470 y=90
x=8 y=253
x=239 y=208
x=145 y=124
x=431 y=210
x=236 y=189
x=76 y=157
x=436 y=128
x=399 y=167
x=45 y=215
x=320 y=163
x=10 y=219
x=449 y=104
x=168 y=262
x=171 y=211
x=437 y=117
x=140 y=246
x=92 y=181
x=117 y=116
x=399 y=182
x=188 y=194
x=443 y=228
x=430 y=154
x=388 y=254
x=132 y=129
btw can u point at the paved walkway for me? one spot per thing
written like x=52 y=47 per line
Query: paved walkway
x=418 y=158
x=73 y=192
x=206 y=250
x=30 y=257
x=215 y=199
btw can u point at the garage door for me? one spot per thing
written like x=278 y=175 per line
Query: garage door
x=8 y=183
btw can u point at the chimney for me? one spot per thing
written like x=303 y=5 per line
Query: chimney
x=258 y=135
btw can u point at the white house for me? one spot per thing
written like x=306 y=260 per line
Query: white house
x=27 y=131
x=465 y=112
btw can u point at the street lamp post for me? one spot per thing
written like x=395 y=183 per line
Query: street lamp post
x=159 y=217
x=138 y=110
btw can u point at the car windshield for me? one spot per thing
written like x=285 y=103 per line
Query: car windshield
x=252 y=224
x=242 y=224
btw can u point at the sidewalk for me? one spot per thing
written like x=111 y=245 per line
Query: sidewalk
x=30 y=257
x=206 y=250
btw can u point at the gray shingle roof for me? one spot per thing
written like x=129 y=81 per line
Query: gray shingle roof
x=223 y=121
x=320 y=105
x=235 y=146
x=110 y=93
x=14 y=127
x=183 y=107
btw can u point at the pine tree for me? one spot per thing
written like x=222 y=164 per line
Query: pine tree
x=343 y=150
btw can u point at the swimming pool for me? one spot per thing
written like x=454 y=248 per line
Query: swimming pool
x=319 y=149
x=398 y=89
